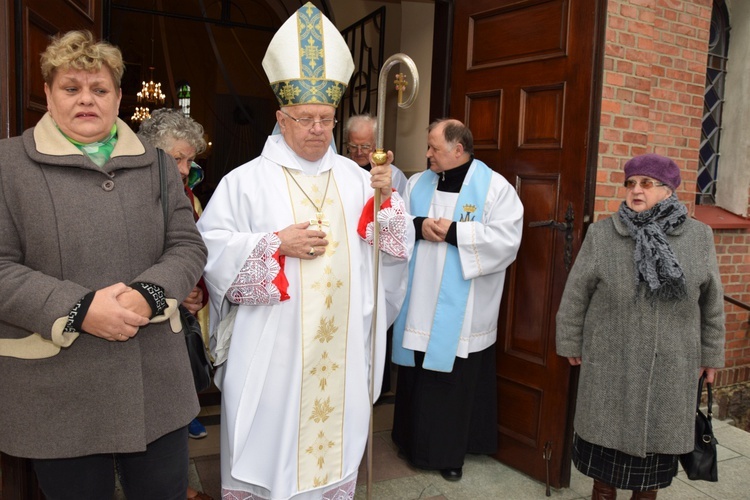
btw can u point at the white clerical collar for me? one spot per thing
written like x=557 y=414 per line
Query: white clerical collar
x=307 y=167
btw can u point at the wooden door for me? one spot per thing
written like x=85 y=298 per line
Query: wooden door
x=523 y=79
x=27 y=26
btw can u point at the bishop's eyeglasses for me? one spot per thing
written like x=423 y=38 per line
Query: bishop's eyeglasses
x=307 y=122
x=645 y=184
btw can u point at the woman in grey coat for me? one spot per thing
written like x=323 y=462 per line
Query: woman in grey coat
x=642 y=314
x=93 y=366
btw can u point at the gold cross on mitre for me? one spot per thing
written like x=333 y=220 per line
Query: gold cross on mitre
x=320 y=221
x=401 y=82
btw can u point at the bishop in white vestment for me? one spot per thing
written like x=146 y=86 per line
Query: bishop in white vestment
x=290 y=276
x=468 y=220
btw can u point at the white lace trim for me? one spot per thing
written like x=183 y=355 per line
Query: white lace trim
x=254 y=284
x=392 y=228
x=342 y=492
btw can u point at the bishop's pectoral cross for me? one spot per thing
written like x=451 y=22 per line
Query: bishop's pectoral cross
x=320 y=221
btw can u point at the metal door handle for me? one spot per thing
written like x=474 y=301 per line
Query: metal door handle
x=567 y=227
x=560 y=226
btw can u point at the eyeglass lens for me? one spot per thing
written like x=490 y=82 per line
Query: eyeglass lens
x=309 y=122
x=644 y=183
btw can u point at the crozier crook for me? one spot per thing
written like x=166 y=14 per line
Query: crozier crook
x=379 y=157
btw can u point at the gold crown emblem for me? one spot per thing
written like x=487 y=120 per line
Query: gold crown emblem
x=470 y=208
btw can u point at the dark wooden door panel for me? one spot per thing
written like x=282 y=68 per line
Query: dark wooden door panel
x=515 y=33
x=527 y=321
x=523 y=81
x=41 y=19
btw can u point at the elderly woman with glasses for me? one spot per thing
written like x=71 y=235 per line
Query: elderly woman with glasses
x=181 y=137
x=642 y=315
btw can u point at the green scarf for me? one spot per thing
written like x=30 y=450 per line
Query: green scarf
x=99 y=152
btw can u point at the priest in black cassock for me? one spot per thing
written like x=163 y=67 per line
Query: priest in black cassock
x=468 y=222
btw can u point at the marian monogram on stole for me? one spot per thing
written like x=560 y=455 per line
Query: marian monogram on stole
x=325 y=287
x=468 y=213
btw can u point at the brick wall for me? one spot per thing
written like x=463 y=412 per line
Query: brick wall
x=652 y=101
x=734 y=264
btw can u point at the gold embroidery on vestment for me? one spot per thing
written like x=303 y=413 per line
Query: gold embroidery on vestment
x=326 y=329
x=320 y=448
x=321 y=410
x=331 y=247
x=328 y=285
x=325 y=284
x=323 y=369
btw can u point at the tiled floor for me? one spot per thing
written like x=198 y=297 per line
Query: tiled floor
x=484 y=477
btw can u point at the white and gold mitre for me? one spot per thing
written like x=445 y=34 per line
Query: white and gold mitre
x=308 y=61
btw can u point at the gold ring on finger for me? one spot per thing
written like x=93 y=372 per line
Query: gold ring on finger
x=311 y=252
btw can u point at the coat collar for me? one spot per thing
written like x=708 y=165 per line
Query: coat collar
x=46 y=144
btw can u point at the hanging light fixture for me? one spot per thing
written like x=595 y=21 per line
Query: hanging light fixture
x=150 y=91
x=140 y=114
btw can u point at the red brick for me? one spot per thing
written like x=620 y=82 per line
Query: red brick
x=626 y=39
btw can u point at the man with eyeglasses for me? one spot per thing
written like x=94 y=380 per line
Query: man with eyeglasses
x=290 y=276
x=360 y=134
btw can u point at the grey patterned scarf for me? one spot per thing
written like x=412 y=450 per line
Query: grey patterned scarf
x=656 y=265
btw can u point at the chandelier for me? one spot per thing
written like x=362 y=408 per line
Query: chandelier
x=151 y=92
x=140 y=114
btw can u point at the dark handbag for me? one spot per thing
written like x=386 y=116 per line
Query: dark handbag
x=196 y=349
x=701 y=464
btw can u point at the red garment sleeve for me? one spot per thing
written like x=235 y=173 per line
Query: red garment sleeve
x=280 y=280
x=202 y=285
x=368 y=215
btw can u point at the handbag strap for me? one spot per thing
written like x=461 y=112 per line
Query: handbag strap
x=163 y=190
x=710 y=400
x=164 y=195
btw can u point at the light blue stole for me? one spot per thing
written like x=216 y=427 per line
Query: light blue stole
x=454 y=289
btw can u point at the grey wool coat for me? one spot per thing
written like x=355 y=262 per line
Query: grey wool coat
x=640 y=360
x=68 y=227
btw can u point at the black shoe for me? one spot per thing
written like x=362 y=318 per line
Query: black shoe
x=452 y=474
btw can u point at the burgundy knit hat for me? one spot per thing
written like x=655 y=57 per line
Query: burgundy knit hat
x=655 y=166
